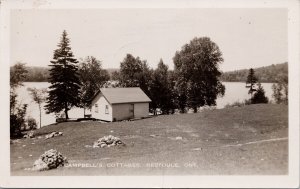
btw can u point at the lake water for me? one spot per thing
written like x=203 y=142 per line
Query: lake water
x=235 y=91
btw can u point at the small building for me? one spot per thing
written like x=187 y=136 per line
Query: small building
x=115 y=104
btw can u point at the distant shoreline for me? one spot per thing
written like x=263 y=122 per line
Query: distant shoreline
x=266 y=74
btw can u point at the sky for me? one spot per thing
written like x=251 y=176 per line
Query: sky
x=246 y=37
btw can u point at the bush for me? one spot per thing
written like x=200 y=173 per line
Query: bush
x=17 y=121
x=238 y=104
x=247 y=102
x=235 y=104
x=31 y=123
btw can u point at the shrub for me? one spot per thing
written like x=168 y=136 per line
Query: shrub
x=17 y=121
x=247 y=102
x=235 y=104
x=31 y=123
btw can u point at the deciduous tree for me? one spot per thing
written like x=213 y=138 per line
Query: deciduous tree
x=39 y=96
x=280 y=89
x=17 y=111
x=18 y=74
x=92 y=77
x=197 y=71
x=161 y=91
x=135 y=73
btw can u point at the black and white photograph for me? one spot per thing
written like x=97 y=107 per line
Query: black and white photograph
x=140 y=89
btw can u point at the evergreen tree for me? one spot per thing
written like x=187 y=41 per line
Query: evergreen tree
x=259 y=96
x=251 y=81
x=64 y=92
x=197 y=72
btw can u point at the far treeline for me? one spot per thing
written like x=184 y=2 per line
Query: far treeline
x=41 y=74
x=266 y=74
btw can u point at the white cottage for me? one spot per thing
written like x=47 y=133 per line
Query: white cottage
x=115 y=104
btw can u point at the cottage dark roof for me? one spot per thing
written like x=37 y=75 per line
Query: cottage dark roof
x=124 y=95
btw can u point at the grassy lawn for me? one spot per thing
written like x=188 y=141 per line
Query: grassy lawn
x=242 y=140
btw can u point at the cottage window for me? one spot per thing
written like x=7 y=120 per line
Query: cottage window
x=106 y=109
x=96 y=108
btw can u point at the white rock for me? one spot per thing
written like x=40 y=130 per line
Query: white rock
x=40 y=165
x=49 y=160
x=108 y=141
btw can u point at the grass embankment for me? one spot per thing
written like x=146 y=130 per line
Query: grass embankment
x=213 y=142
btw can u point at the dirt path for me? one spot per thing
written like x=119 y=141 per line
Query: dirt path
x=259 y=141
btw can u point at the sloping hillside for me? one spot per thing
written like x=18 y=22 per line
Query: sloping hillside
x=244 y=140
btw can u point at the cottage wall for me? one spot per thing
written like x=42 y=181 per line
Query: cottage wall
x=122 y=111
x=141 y=110
x=113 y=107
x=129 y=111
x=100 y=112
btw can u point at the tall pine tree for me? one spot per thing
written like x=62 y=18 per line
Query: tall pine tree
x=251 y=81
x=64 y=92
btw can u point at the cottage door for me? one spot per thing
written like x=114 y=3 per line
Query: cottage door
x=131 y=109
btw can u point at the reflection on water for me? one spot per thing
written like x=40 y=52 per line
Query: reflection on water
x=235 y=91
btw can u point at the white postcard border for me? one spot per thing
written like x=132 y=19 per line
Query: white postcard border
x=290 y=180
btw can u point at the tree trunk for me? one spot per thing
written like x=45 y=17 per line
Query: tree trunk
x=40 y=116
x=84 y=112
x=251 y=93
x=195 y=109
x=66 y=113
